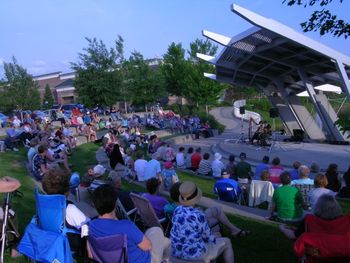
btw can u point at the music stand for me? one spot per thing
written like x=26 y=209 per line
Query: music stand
x=241 y=137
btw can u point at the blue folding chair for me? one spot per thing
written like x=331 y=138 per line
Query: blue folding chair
x=108 y=249
x=45 y=238
x=227 y=192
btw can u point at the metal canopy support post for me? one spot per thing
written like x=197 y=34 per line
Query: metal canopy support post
x=327 y=123
x=284 y=93
x=344 y=78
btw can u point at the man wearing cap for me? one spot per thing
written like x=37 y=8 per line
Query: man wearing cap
x=191 y=237
x=243 y=169
x=217 y=166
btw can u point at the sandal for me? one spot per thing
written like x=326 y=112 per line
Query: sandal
x=242 y=233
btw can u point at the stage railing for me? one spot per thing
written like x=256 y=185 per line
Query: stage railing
x=247 y=115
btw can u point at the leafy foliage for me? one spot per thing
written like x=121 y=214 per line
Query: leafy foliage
x=201 y=90
x=323 y=20
x=48 y=99
x=144 y=84
x=99 y=79
x=20 y=91
x=174 y=69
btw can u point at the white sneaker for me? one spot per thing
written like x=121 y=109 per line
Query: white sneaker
x=15 y=150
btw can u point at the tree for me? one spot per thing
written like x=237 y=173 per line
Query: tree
x=322 y=20
x=144 y=84
x=20 y=91
x=99 y=78
x=48 y=99
x=174 y=69
x=200 y=90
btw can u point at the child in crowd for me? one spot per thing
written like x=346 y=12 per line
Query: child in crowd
x=169 y=175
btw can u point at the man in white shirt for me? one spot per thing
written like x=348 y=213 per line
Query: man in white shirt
x=217 y=165
x=139 y=165
x=152 y=168
x=180 y=158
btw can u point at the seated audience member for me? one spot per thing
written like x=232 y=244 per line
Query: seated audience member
x=87 y=178
x=303 y=172
x=345 y=190
x=243 y=170
x=32 y=150
x=320 y=183
x=144 y=248
x=57 y=182
x=174 y=196
x=196 y=159
x=99 y=172
x=226 y=179
x=130 y=173
x=188 y=158
x=261 y=167
x=217 y=166
x=314 y=170
x=332 y=177
x=180 y=158
x=191 y=237
x=275 y=171
x=11 y=136
x=294 y=173
x=169 y=154
x=115 y=180
x=204 y=167
x=56 y=154
x=287 y=200
x=231 y=167
x=265 y=176
x=326 y=208
x=116 y=158
x=169 y=176
x=158 y=202
x=152 y=168
x=140 y=164
x=40 y=163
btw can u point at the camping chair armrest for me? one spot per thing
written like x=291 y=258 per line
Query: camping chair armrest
x=131 y=211
x=162 y=220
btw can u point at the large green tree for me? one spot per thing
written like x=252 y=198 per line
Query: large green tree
x=200 y=90
x=144 y=84
x=20 y=91
x=174 y=69
x=48 y=99
x=323 y=20
x=99 y=78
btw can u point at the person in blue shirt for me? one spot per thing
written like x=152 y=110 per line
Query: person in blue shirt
x=304 y=172
x=143 y=248
x=227 y=181
x=261 y=167
x=294 y=173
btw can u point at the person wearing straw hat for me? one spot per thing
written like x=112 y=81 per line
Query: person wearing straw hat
x=191 y=236
x=217 y=166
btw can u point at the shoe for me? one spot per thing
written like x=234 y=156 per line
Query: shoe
x=15 y=150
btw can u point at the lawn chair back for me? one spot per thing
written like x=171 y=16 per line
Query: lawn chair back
x=50 y=211
x=226 y=192
x=109 y=249
x=146 y=211
x=259 y=192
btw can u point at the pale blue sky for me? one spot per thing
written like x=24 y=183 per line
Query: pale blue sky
x=44 y=35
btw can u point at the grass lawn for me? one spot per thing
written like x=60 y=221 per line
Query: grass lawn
x=264 y=244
